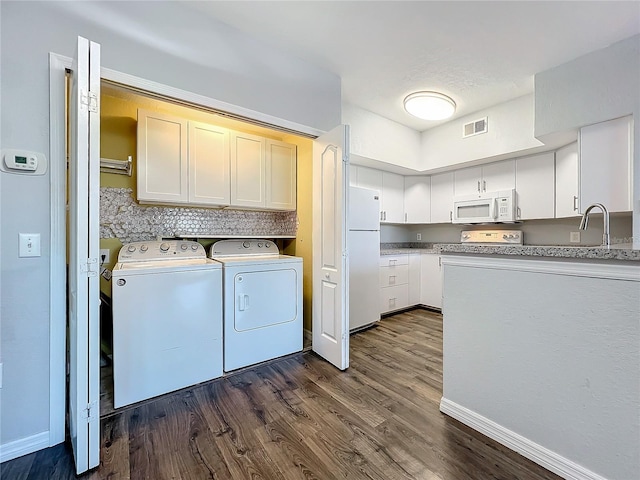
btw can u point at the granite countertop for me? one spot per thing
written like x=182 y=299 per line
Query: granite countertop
x=616 y=252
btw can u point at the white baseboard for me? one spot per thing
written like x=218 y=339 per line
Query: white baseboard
x=537 y=453
x=21 y=447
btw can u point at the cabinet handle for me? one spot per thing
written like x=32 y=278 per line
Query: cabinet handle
x=392 y=261
x=381 y=216
x=484 y=185
x=385 y=215
x=519 y=212
x=575 y=203
x=478 y=186
x=450 y=215
x=440 y=261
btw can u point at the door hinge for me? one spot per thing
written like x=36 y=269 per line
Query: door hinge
x=90 y=267
x=91 y=412
x=89 y=100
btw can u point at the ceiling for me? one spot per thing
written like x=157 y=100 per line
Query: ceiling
x=479 y=53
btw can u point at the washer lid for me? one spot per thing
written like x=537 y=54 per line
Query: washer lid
x=165 y=266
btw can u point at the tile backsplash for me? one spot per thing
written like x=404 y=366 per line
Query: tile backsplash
x=123 y=218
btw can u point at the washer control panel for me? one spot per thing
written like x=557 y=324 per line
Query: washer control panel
x=238 y=247
x=161 y=250
x=512 y=237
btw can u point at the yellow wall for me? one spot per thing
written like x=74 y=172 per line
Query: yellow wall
x=118 y=134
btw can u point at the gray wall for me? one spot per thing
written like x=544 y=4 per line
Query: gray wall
x=169 y=44
x=599 y=86
x=536 y=232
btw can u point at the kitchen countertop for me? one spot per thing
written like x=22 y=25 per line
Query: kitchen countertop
x=616 y=252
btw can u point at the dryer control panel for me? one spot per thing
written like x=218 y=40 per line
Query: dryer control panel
x=161 y=250
x=238 y=247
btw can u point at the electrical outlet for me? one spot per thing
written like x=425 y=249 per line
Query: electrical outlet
x=104 y=256
x=419 y=236
x=574 y=237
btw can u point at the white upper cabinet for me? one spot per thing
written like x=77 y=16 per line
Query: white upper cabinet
x=605 y=164
x=162 y=158
x=567 y=181
x=487 y=178
x=208 y=165
x=535 y=186
x=280 y=175
x=392 y=198
x=442 y=197
x=417 y=199
x=248 y=170
x=391 y=188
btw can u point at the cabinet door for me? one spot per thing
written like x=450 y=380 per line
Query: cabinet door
x=567 y=181
x=499 y=176
x=247 y=170
x=353 y=175
x=392 y=197
x=281 y=175
x=441 y=197
x=417 y=199
x=209 y=182
x=415 y=261
x=162 y=158
x=605 y=162
x=535 y=186
x=468 y=181
x=370 y=178
x=430 y=280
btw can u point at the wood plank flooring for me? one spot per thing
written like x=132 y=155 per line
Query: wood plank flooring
x=300 y=418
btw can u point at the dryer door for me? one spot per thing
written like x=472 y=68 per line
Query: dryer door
x=264 y=298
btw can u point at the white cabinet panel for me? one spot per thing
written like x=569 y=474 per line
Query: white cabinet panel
x=535 y=186
x=441 y=197
x=499 y=176
x=417 y=199
x=370 y=178
x=353 y=175
x=431 y=280
x=567 y=181
x=390 y=276
x=487 y=178
x=162 y=158
x=605 y=163
x=415 y=261
x=280 y=175
x=393 y=260
x=209 y=182
x=394 y=298
x=247 y=170
x=392 y=197
x=468 y=181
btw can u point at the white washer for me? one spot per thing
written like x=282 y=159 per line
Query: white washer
x=262 y=301
x=167 y=319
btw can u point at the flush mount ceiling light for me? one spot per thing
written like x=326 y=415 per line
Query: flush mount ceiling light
x=429 y=105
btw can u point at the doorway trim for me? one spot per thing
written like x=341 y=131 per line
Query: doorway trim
x=58 y=64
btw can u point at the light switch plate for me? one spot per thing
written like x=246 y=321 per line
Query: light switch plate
x=29 y=245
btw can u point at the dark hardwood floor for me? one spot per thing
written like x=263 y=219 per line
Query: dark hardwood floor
x=300 y=418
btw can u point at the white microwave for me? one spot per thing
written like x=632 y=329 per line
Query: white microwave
x=488 y=207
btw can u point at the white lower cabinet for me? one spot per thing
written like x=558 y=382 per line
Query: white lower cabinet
x=431 y=280
x=410 y=279
x=394 y=282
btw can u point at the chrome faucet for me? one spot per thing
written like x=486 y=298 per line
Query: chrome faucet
x=605 y=218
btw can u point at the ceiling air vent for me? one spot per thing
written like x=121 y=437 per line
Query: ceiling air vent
x=475 y=128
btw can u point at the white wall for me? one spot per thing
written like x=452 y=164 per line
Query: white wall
x=378 y=138
x=510 y=133
x=552 y=357
x=596 y=87
x=168 y=44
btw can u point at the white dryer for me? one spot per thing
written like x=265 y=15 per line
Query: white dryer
x=262 y=301
x=167 y=319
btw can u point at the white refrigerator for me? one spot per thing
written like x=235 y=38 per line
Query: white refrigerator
x=364 y=257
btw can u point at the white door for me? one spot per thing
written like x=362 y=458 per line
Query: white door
x=84 y=320
x=330 y=322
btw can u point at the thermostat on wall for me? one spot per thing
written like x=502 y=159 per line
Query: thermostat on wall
x=23 y=162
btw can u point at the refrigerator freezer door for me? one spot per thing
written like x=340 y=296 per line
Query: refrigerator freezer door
x=364 y=209
x=364 y=287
